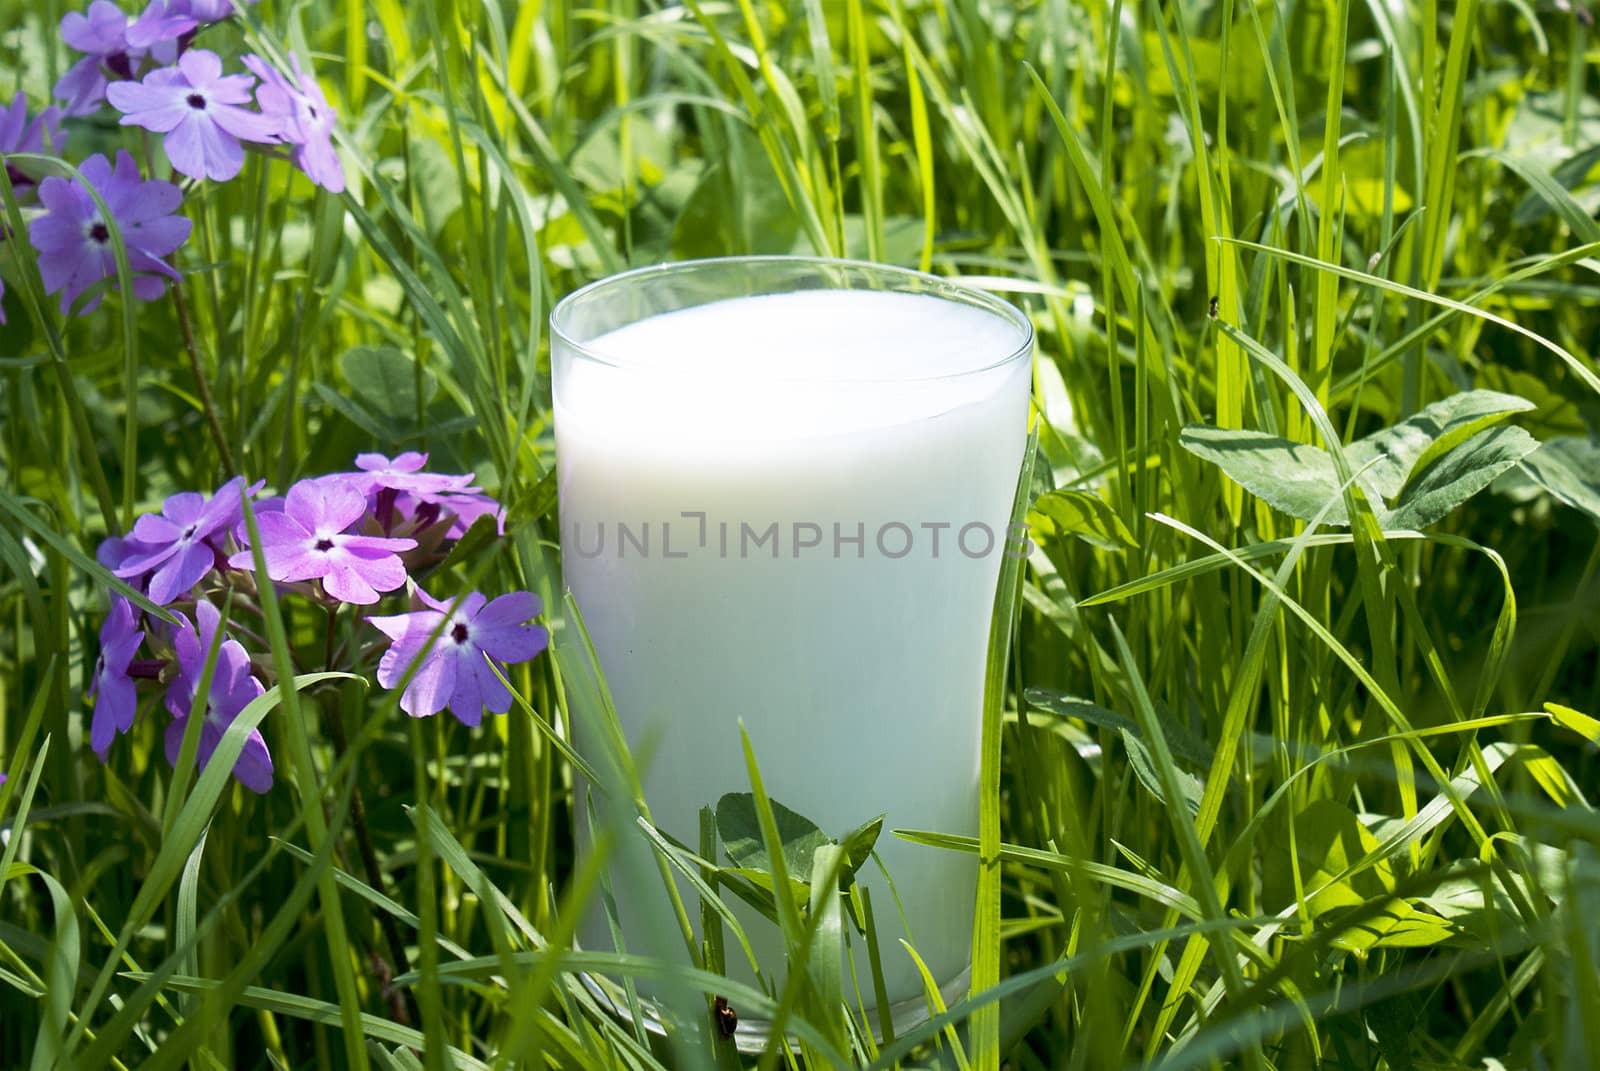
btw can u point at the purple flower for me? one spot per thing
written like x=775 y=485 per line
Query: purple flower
x=175 y=542
x=102 y=35
x=196 y=106
x=74 y=240
x=454 y=669
x=305 y=118
x=206 y=10
x=232 y=689
x=160 y=22
x=112 y=690
x=403 y=473
x=103 y=31
x=114 y=550
x=310 y=540
x=463 y=509
x=175 y=20
x=405 y=498
x=17 y=134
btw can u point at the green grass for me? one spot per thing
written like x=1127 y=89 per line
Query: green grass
x=1271 y=791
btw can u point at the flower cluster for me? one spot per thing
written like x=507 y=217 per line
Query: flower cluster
x=343 y=538
x=144 y=67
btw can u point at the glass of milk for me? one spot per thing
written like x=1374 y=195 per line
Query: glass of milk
x=785 y=487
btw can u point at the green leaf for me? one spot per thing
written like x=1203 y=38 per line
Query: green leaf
x=1328 y=838
x=1184 y=744
x=1569 y=468
x=472 y=544
x=1434 y=461
x=385 y=380
x=1549 y=191
x=536 y=502
x=1570 y=174
x=1296 y=478
x=295 y=1006
x=194 y=817
x=740 y=829
x=60 y=978
x=761 y=883
x=827 y=943
x=17 y=509
x=1580 y=723
x=738 y=207
x=858 y=843
x=1059 y=514
x=1548 y=773
x=352 y=410
x=1397 y=452
x=1459 y=475
x=1144 y=769
x=1395 y=924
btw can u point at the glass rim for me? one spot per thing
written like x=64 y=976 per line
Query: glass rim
x=937 y=285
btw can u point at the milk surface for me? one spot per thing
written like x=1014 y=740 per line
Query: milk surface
x=791 y=510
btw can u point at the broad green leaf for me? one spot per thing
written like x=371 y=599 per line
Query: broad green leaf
x=1296 y=478
x=1459 y=475
x=1411 y=445
x=1144 y=769
x=1433 y=461
x=385 y=379
x=1461 y=899
x=762 y=880
x=738 y=207
x=1059 y=514
x=1569 y=468
x=1328 y=838
x=740 y=829
x=1395 y=924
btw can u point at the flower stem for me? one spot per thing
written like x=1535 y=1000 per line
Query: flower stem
x=333 y=619
x=358 y=820
x=369 y=856
x=201 y=383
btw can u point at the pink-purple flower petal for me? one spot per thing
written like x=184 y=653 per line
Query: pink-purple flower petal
x=115 y=700
x=309 y=541
x=305 y=119
x=74 y=238
x=197 y=107
x=176 y=542
x=458 y=667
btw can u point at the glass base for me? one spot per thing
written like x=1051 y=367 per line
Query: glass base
x=751 y=1035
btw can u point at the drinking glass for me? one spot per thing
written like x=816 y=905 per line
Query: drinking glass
x=785 y=486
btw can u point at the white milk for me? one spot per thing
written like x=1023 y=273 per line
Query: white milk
x=857 y=666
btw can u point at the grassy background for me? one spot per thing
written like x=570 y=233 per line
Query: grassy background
x=1333 y=826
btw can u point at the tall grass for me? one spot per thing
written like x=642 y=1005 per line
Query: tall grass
x=1265 y=789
